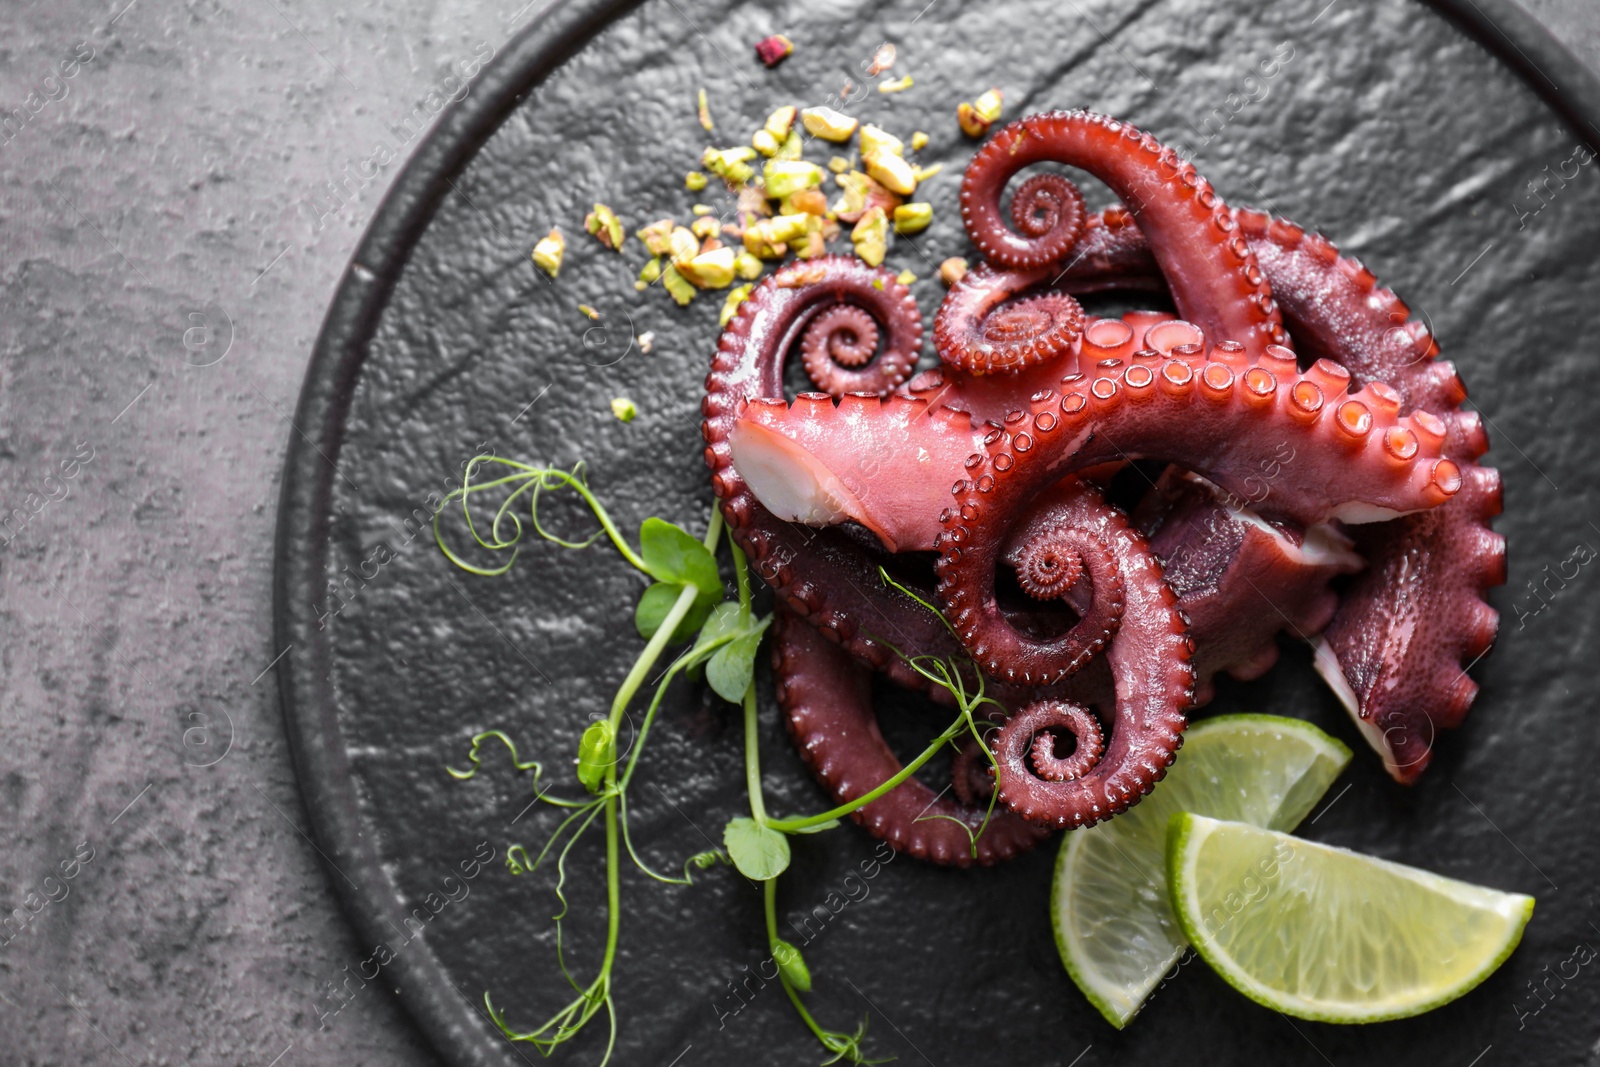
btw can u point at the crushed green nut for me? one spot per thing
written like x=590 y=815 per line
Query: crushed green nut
x=694 y=181
x=763 y=141
x=657 y=237
x=606 y=227
x=871 y=236
x=747 y=266
x=838 y=164
x=647 y=342
x=784 y=177
x=682 y=245
x=624 y=409
x=706 y=227
x=547 y=253
x=978 y=116
x=828 y=124
x=875 y=140
x=736 y=296
x=769 y=238
x=648 y=274
x=709 y=270
x=952 y=270
x=730 y=164
x=919 y=141
x=792 y=146
x=677 y=286
x=912 y=218
x=898 y=85
x=704 y=111
x=860 y=193
x=589 y=312
x=905 y=277
x=892 y=172
x=781 y=121
x=922 y=174
x=699 y=210
x=805 y=202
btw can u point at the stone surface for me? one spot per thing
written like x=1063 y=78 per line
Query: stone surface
x=190 y=169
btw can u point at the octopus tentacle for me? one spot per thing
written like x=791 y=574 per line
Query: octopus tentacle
x=1406 y=630
x=984 y=328
x=827 y=699
x=1209 y=267
x=1150 y=660
x=838 y=349
x=748 y=365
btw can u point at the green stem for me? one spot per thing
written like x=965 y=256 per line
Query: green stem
x=797 y=825
x=752 y=757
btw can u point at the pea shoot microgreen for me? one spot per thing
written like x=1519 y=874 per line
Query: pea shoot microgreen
x=685 y=604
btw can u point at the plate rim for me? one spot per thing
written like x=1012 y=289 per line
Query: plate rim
x=456 y=1026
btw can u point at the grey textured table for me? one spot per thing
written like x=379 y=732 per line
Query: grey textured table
x=177 y=213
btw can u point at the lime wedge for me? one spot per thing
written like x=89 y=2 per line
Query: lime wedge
x=1327 y=934
x=1113 y=920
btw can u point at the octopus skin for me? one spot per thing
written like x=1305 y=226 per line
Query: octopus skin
x=1333 y=488
x=826 y=696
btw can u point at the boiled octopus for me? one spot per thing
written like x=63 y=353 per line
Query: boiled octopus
x=1107 y=512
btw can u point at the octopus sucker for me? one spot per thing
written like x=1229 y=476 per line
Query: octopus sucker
x=1109 y=512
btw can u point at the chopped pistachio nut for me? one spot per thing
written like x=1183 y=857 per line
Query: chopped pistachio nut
x=769 y=238
x=774 y=50
x=978 y=116
x=683 y=245
x=606 y=227
x=905 y=277
x=647 y=342
x=828 y=124
x=694 y=181
x=988 y=105
x=589 y=312
x=952 y=270
x=657 y=237
x=871 y=236
x=709 y=270
x=892 y=172
x=763 y=141
x=736 y=296
x=874 y=140
x=705 y=227
x=704 y=111
x=877 y=283
x=922 y=174
x=860 y=193
x=806 y=201
x=785 y=177
x=648 y=273
x=624 y=409
x=781 y=121
x=812 y=246
x=730 y=164
x=747 y=266
x=912 y=218
x=838 y=164
x=698 y=210
x=882 y=60
x=898 y=85
x=792 y=146
x=919 y=141
x=677 y=285
x=548 y=252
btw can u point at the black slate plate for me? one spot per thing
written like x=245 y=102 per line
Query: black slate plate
x=1389 y=129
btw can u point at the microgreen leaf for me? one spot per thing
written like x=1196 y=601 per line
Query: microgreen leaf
x=723 y=619
x=791 y=964
x=729 y=671
x=672 y=555
x=657 y=601
x=759 y=852
x=596 y=752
